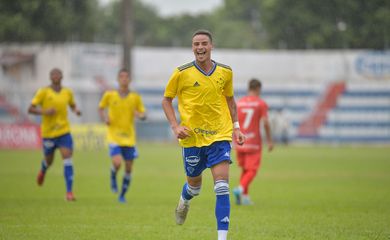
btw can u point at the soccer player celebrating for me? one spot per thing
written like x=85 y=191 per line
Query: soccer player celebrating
x=123 y=106
x=251 y=111
x=51 y=102
x=204 y=89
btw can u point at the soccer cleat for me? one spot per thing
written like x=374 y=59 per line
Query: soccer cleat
x=40 y=178
x=245 y=200
x=70 y=197
x=237 y=192
x=122 y=199
x=181 y=212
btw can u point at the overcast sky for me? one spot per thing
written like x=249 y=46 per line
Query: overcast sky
x=175 y=7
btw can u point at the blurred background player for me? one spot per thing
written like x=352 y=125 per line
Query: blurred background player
x=280 y=126
x=251 y=110
x=123 y=106
x=51 y=102
x=207 y=111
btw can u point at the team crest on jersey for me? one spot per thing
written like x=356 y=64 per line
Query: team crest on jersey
x=190 y=169
x=192 y=160
x=196 y=84
x=221 y=83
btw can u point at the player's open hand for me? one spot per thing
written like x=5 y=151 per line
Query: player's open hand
x=77 y=112
x=181 y=132
x=240 y=137
x=140 y=115
x=270 y=147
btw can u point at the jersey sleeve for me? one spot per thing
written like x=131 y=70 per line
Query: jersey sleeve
x=104 y=101
x=228 y=88
x=172 y=86
x=140 y=105
x=71 y=98
x=38 y=97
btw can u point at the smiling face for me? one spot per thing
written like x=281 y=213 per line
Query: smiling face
x=123 y=79
x=201 y=47
x=56 y=76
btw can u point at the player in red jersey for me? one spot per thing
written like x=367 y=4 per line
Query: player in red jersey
x=251 y=110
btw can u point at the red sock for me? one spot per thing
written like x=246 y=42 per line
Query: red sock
x=247 y=177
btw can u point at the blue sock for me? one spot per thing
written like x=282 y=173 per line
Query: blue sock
x=125 y=184
x=185 y=194
x=44 y=166
x=68 y=174
x=113 y=172
x=113 y=180
x=222 y=205
x=188 y=191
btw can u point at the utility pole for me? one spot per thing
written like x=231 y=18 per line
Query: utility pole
x=127 y=33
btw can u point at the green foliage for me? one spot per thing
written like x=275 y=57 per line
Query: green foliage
x=327 y=24
x=300 y=193
x=253 y=24
x=52 y=21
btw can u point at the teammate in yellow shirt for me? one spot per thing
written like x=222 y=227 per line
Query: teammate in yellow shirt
x=51 y=102
x=123 y=106
x=204 y=89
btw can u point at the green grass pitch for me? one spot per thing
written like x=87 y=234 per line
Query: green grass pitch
x=300 y=193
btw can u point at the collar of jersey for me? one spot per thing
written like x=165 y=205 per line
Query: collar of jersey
x=210 y=72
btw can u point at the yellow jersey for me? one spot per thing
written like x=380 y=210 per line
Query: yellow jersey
x=57 y=124
x=202 y=102
x=121 y=111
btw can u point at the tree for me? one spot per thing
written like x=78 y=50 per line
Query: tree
x=253 y=24
x=302 y=24
x=40 y=20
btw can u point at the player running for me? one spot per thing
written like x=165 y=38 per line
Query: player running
x=51 y=102
x=251 y=111
x=204 y=89
x=123 y=106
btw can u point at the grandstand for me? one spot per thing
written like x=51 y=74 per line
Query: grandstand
x=362 y=114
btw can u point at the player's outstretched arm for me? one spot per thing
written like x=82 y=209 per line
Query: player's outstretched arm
x=75 y=110
x=268 y=135
x=180 y=132
x=141 y=115
x=39 y=111
x=237 y=134
x=103 y=116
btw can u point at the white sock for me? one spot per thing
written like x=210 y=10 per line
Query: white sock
x=222 y=234
x=184 y=201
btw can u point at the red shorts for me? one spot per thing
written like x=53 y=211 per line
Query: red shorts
x=249 y=160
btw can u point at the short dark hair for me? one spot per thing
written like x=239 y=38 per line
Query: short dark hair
x=254 y=84
x=56 y=70
x=203 y=32
x=124 y=70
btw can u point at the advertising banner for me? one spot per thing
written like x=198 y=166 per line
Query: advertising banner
x=20 y=136
x=28 y=136
x=89 y=136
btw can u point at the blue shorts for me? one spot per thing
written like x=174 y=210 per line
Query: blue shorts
x=127 y=153
x=197 y=159
x=51 y=144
